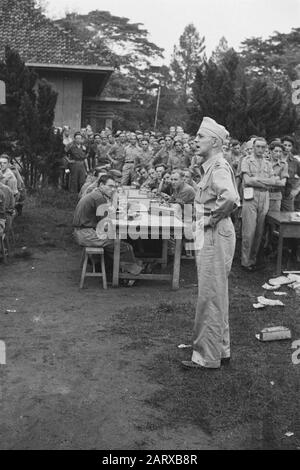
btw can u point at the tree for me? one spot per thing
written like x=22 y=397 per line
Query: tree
x=126 y=46
x=245 y=105
x=26 y=121
x=185 y=60
x=220 y=50
x=275 y=58
x=19 y=80
x=42 y=5
x=214 y=90
x=118 y=40
x=50 y=145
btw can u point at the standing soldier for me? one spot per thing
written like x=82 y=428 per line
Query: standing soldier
x=217 y=196
x=280 y=168
x=146 y=154
x=291 y=196
x=132 y=159
x=165 y=152
x=258 y=177
x=116 y=153
x=77 y=159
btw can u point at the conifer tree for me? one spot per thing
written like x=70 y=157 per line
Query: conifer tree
x=187 y=56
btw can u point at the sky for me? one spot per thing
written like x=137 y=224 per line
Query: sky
x=166 y=19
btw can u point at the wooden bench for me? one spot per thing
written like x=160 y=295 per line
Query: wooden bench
x=89 y=253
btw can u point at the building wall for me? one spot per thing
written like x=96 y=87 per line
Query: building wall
x=69 y=101
x=97 y=114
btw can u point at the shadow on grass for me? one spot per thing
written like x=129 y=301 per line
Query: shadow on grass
x=217 y=401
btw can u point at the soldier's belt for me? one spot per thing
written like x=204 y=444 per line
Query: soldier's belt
x=261 y=190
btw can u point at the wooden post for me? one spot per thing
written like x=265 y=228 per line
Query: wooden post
x=2 y=92
x=116 y=268
x=176 y=267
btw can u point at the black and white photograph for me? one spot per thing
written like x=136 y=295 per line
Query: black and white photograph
x=149 y=228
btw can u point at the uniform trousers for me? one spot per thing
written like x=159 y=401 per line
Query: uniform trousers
x=211 y=341
x=77 y=176
x=254 y=213
x=128 y=174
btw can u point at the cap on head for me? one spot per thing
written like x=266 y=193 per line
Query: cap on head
x=210 y=128
x=249 y=144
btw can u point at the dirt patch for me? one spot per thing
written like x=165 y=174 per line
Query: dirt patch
x=95 y=369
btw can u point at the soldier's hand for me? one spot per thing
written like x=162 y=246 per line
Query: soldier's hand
x=294 y=193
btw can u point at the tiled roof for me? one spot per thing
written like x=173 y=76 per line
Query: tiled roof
x=38 y=39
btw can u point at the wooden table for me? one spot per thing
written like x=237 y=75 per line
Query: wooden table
x=288 y=225
x=160 y=227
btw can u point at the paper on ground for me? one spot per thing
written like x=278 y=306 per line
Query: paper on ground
x=294 y=277
x=268 y=287
x=264 y=301
x=258 y=305
x=280 y=293
x=295 y=285
x=280 y=281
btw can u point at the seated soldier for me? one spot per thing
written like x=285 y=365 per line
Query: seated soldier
x=160 y=170
x=165 y=187
x=20 y=198
x=183 y=193
x=141 y=175
x=187 y=178
x=152 y=180
x=86 y=220
x=9 y=204
x=6 y=175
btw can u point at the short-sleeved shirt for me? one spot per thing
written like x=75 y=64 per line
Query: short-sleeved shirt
x=256 y=167
x=9 y=202
x=10 y=180
x=101 y=154
x=146 y=158
x=132 y=154
x=280 y=169
x=162 y=156
x=217 y=189
x=117 y=152
x=85 y=212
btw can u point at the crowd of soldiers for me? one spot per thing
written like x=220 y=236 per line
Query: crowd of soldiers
x=267 y=175
x=12 y=193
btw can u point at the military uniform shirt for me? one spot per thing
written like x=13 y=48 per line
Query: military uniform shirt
x=280 y=169
x=257 y=167
x=132 y=155
x=217 y=189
